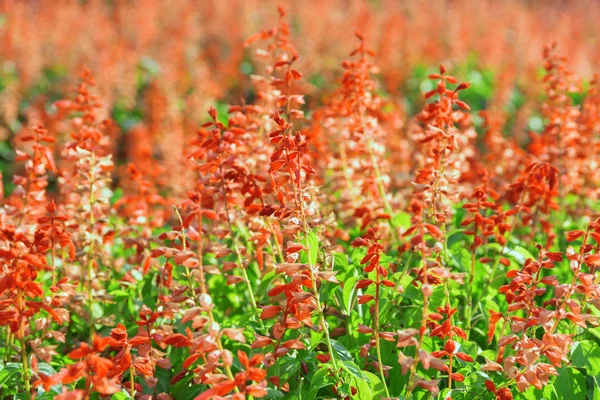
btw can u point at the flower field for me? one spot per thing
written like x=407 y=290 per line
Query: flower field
x=344 y=199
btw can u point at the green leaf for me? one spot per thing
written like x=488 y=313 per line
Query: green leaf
x=353 y=369
x=97 y=310
x=46 y=369
x=438 y=297
x=596 y=388
x=570 y=384
x=319 y=380
x=461 y=258
x=456 y=239
x=288 y=366
x=119 y=293
x=341 y=351
x=518 y=253
x=363 y=389
x=340 y=262
x=401 y=220
x=137 y=274
x=534 y=394
x=375 y=384
x=313 y=248
x=586 y=354
x=184 y=389
x=549 y=392
x=120 y=396
x=298 y=394
x=274 y=394
x=9 y=371
x=222 y=113
x=595 y=333
x=116 y=195
x=349 y=293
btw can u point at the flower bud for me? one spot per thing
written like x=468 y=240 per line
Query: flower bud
x=427 y=290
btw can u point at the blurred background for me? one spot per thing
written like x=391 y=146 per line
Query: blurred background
x=159 y=64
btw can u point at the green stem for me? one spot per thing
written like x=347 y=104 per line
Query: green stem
x=469 y=310
x=236 y=248
x=413 y=368
x=324 y=327
x=377 y=339
x=9 y=342
x=25 y=367
x=24 y=358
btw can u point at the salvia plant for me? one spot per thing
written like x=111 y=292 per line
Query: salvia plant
x=301 y=240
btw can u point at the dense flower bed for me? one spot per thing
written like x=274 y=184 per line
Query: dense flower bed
x=349 y=239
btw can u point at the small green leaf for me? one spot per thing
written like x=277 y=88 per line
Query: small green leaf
x=341 y=351
x=349 y=293
x=518 y=253
x=120 y=396
x=97 y=310
x=119 y=293
x=313 y=248
x=353 y=369
x=137 y=275
x=319 y=380
x=46 y=369
x=273 y=394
